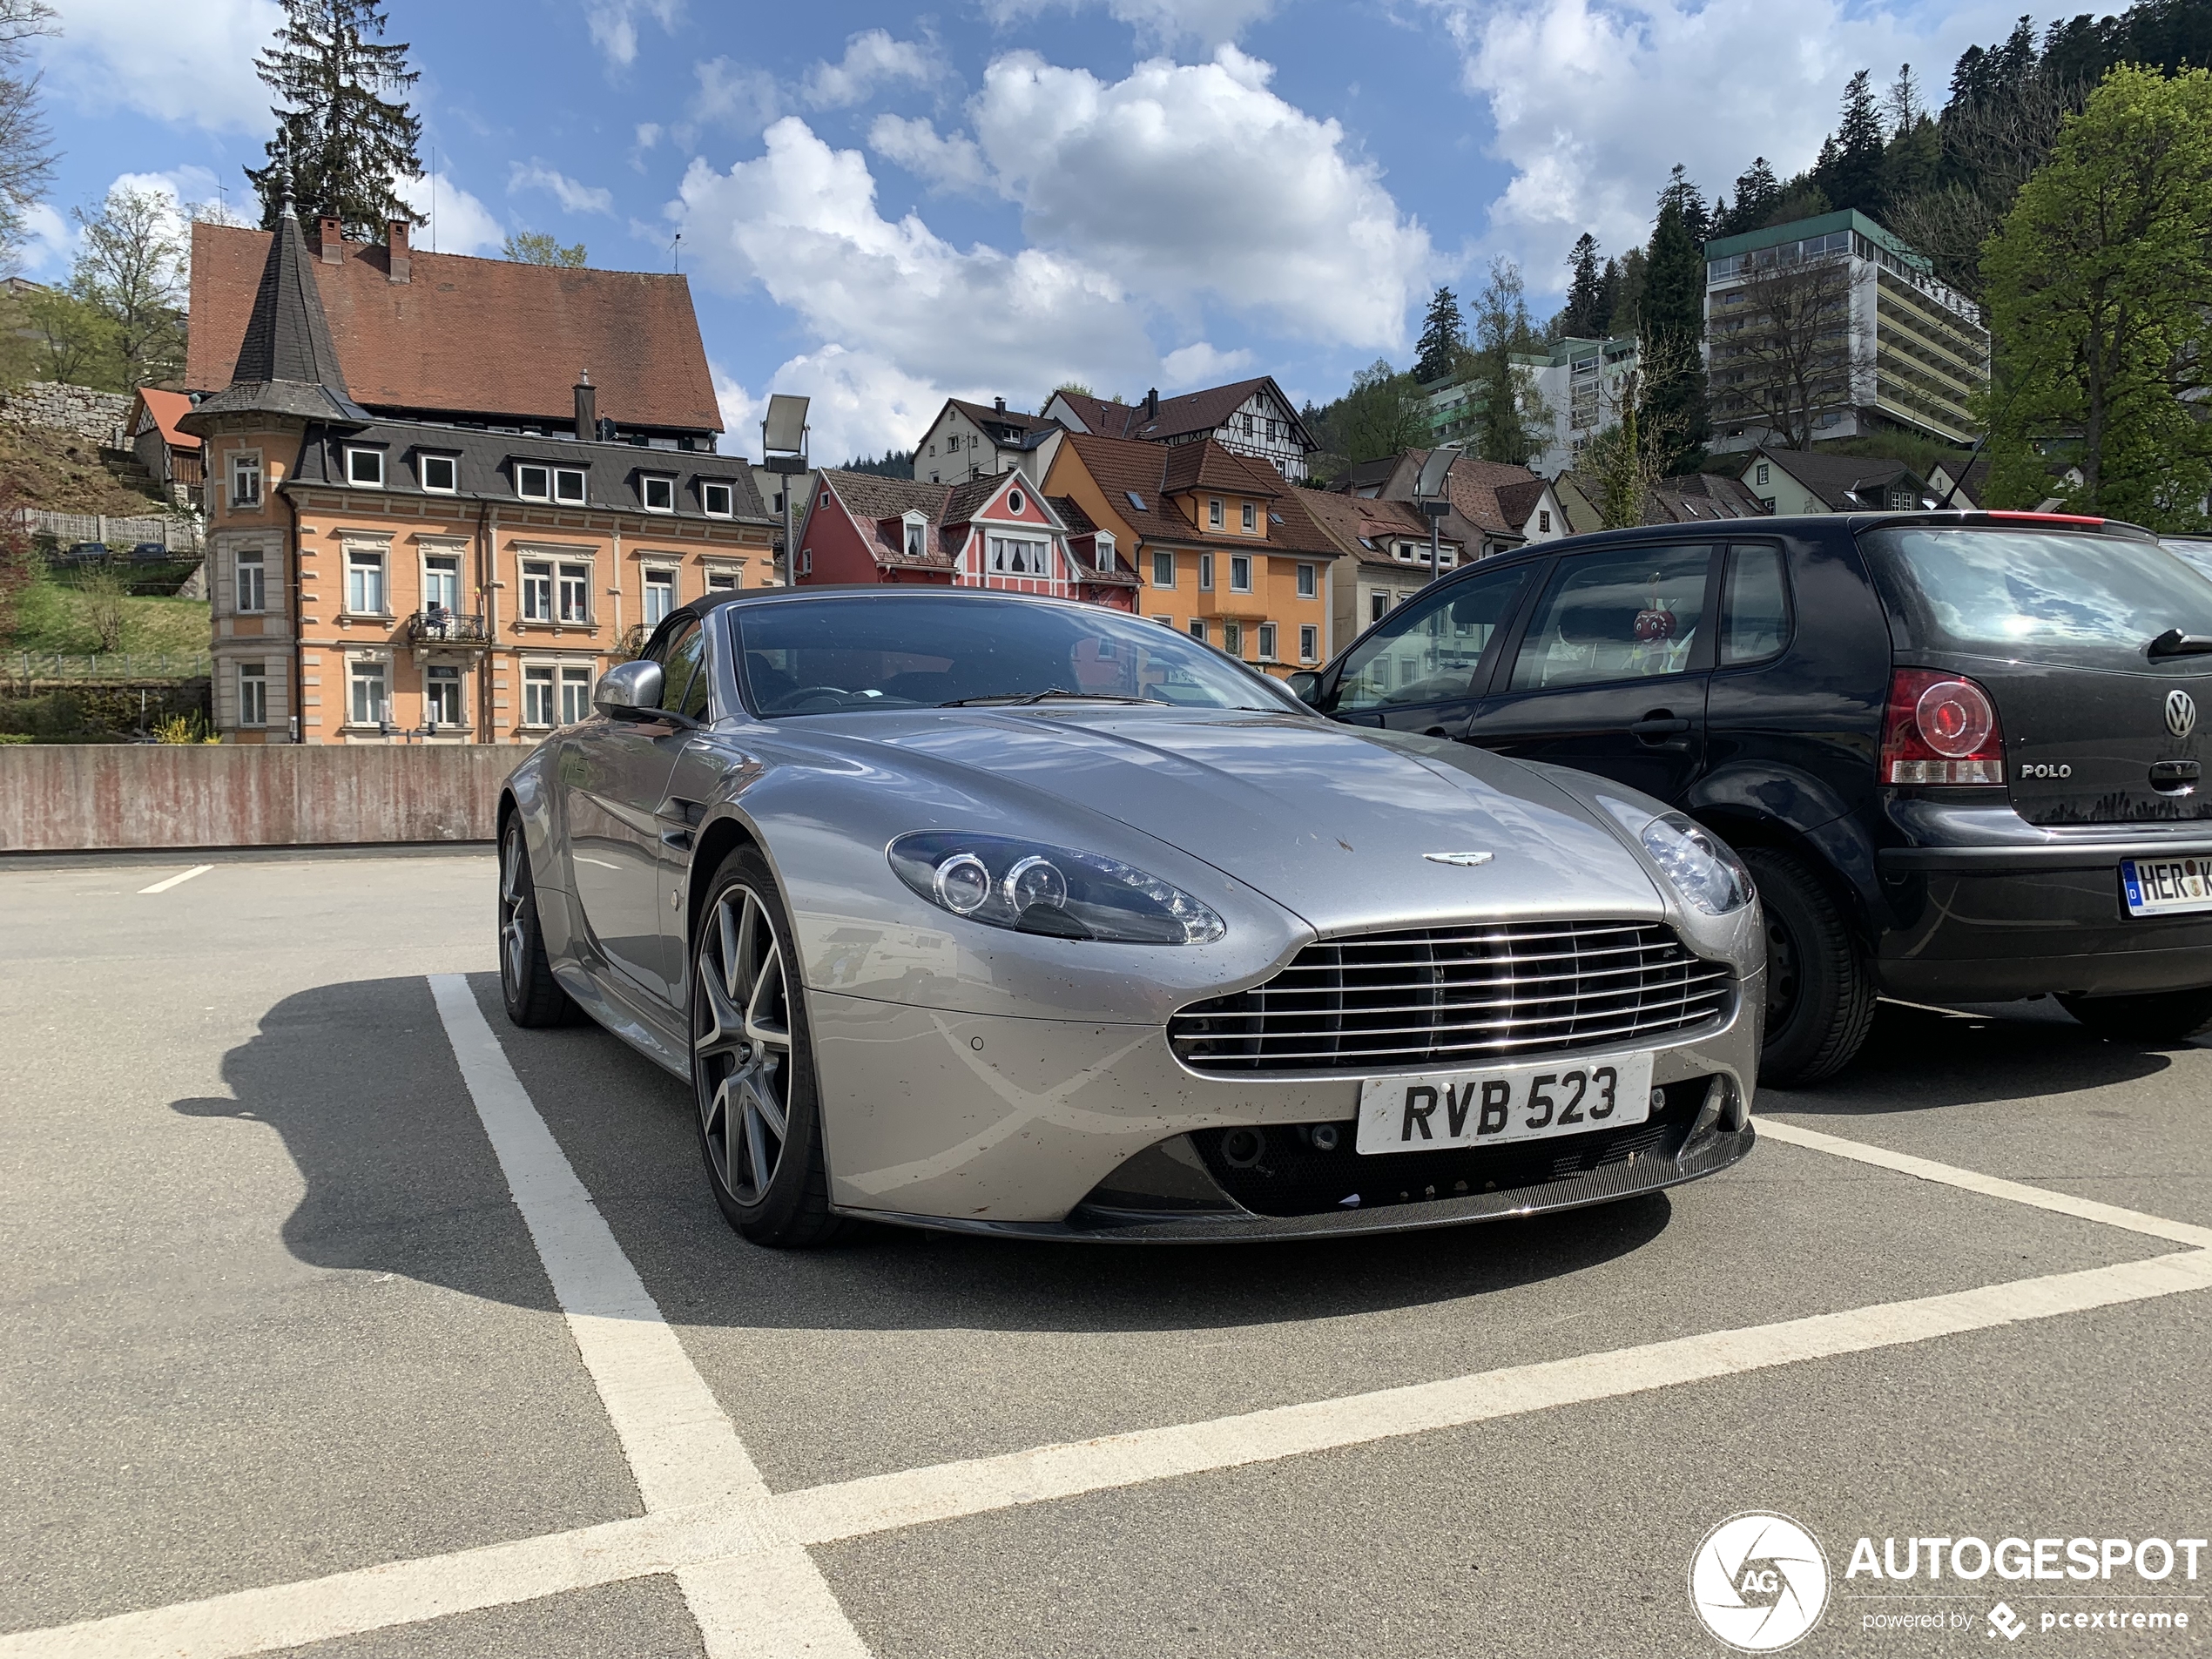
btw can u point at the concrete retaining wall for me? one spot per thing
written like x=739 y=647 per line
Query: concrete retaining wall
x=70 y=797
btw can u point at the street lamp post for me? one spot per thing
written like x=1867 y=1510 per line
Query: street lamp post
x=783 y=451
x=1435 y=505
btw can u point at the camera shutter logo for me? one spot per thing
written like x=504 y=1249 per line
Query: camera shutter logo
x=2180 y=713
x=1759 y=1581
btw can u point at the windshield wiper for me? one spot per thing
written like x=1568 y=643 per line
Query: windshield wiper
x=1014 y=699
x=2174 y=643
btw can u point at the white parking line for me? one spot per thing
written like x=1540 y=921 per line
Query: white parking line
x=682 y=1448
x=177 y=880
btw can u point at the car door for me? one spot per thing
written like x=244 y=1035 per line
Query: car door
x=1608 y=674
x=615 y=774
x=1421 y=669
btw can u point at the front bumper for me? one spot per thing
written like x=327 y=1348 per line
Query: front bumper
x=1049 y=1128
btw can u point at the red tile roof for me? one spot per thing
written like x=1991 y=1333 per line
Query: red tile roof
x=1129 y=472
x=470 y=336
x=1365 y=529
x=165 y=407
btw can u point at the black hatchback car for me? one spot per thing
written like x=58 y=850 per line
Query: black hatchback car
x=1959 y=751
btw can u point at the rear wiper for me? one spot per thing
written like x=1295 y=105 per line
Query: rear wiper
x=1012 y=699
x=2174 y=643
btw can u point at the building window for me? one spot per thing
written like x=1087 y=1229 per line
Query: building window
x=575 y=695
x=252 y=694
x=252 y=593
x=1206 y=572
x=1544 y=522
x=537 y=696
x=1199 y=628
x=913 y=538
x=369 y=700
x=1012 y=556
x=575 y=593
x=1377 y=604
x=660 y=596
x=1309 y=582
x=533 y=483
x=537 y=591
x=724 y=581
x=717 y=501
x=568 y=485
x=1013 y=502
x=365 y=583
x=1164 y=570
x=1103 y=550
x=1232 y=638
x=1267 y=641
x=1762 y=472
x=1240 y=573
x=1214 y=519
x=442 y=696
x=1252 y=518
x=1309 y=643
x=657 y=494
x=246 y=479
x=439 y=474
x=365 y=468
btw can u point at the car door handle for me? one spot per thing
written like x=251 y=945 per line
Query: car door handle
x=1658 y=725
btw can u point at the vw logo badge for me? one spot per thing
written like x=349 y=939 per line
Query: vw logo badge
x=1760 y=1583
x=2180 y=713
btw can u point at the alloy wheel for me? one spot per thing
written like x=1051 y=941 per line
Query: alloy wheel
x=514 y=892
x=741 y=1054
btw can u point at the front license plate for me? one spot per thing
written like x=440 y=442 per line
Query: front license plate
x=2162 y=886
x=1502 y=1103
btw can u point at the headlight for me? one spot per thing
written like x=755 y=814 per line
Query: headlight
x=1002 y=881
x=1701 y=866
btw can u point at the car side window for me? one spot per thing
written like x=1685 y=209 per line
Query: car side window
x=1429 y=650
x=679 y=661
x=1755 y=605
x=1616 y=615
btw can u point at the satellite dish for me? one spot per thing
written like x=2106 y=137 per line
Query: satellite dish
x=1431 y=483
x=785 y=427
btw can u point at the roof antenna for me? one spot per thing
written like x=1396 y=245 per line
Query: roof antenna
x=676 y=254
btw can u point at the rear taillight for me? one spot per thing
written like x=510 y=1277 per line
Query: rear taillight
x=1940 y=729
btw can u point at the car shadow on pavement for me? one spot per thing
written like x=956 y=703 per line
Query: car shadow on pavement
x=1920 y=1058
x=360 y=1081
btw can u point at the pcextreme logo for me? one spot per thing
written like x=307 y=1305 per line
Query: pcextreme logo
x=1759 y=1581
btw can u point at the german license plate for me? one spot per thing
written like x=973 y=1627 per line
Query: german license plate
x=2162 y=886
x=1502 y=1103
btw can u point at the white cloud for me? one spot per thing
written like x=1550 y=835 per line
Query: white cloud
x=193 y=65
x=573 y=197
x=872 y=58
x=48 y=243
x=1164 y=22
x=859 y=405
x=801 y=221
x=1195 y=180
x=1201 y=364
x=459 y=222
x=950 y=162
x=1594 y=102
x=736 y=96
x=614 y=24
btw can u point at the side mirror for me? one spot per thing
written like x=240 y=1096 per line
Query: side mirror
x=1305 y=685
x=627 y=690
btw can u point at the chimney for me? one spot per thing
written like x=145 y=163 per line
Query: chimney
x=398 y=263
x=332 y=237
x=1151 y=405
x=1001 y=403
x=587 y=408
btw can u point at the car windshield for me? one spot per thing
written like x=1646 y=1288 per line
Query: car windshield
x=937 y=650
x=2038 y=595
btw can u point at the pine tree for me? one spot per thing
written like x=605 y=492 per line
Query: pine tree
x=1904 y=104
x=1849 y=169
x=1608 y=309
x=1444 y=338
x=1583 y=290
x=1674 y=324
x=340 y=135
x=1757 y=191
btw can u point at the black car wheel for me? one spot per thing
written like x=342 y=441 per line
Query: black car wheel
x=533 y=996
x=2151 y=1016
x=1820 y=996
x=752 y=1068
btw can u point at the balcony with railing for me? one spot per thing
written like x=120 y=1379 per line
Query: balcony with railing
x=440 y=630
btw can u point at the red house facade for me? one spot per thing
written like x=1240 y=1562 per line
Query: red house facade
x=991 y=532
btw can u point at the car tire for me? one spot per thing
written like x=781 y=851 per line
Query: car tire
x=2149 y=1017
x=753 y=1069
x=1820 y=994
x=533 y=996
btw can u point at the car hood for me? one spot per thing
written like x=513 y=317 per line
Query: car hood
x=1333 y=822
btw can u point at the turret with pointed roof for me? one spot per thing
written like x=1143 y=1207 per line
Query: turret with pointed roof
x=287 y=365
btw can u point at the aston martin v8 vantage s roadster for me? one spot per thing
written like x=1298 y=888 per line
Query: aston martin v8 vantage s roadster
x=970 y=910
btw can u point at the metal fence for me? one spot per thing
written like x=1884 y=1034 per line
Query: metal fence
x=32 y=667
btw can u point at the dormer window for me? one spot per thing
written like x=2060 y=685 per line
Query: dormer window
x=568 y=485
x=915 y=533
x=717 y=501
x=658 y=492
x=365 y=468
x=439 y=475
x=532 y=482
x=1103 y=549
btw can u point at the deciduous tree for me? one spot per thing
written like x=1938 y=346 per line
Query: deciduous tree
x=26 y=163
x=537 y=247
x=131 y=269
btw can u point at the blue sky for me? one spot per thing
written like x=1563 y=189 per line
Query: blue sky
x=880 y=206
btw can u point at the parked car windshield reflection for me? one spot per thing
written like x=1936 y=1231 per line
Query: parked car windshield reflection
x=937 y=650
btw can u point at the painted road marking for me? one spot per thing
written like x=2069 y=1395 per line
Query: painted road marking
x=738 y=1552
x=177 y=880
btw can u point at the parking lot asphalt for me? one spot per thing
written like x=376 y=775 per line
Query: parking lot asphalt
x=307 y=1344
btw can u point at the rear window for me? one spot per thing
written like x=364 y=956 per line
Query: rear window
x=2038 y=595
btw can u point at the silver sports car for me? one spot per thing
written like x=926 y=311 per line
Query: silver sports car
x=967 y=910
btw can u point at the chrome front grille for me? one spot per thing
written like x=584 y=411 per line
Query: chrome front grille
x=1450 y=997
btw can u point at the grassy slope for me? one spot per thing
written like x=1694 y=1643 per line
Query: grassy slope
x=55 y=619
x=63 y=472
